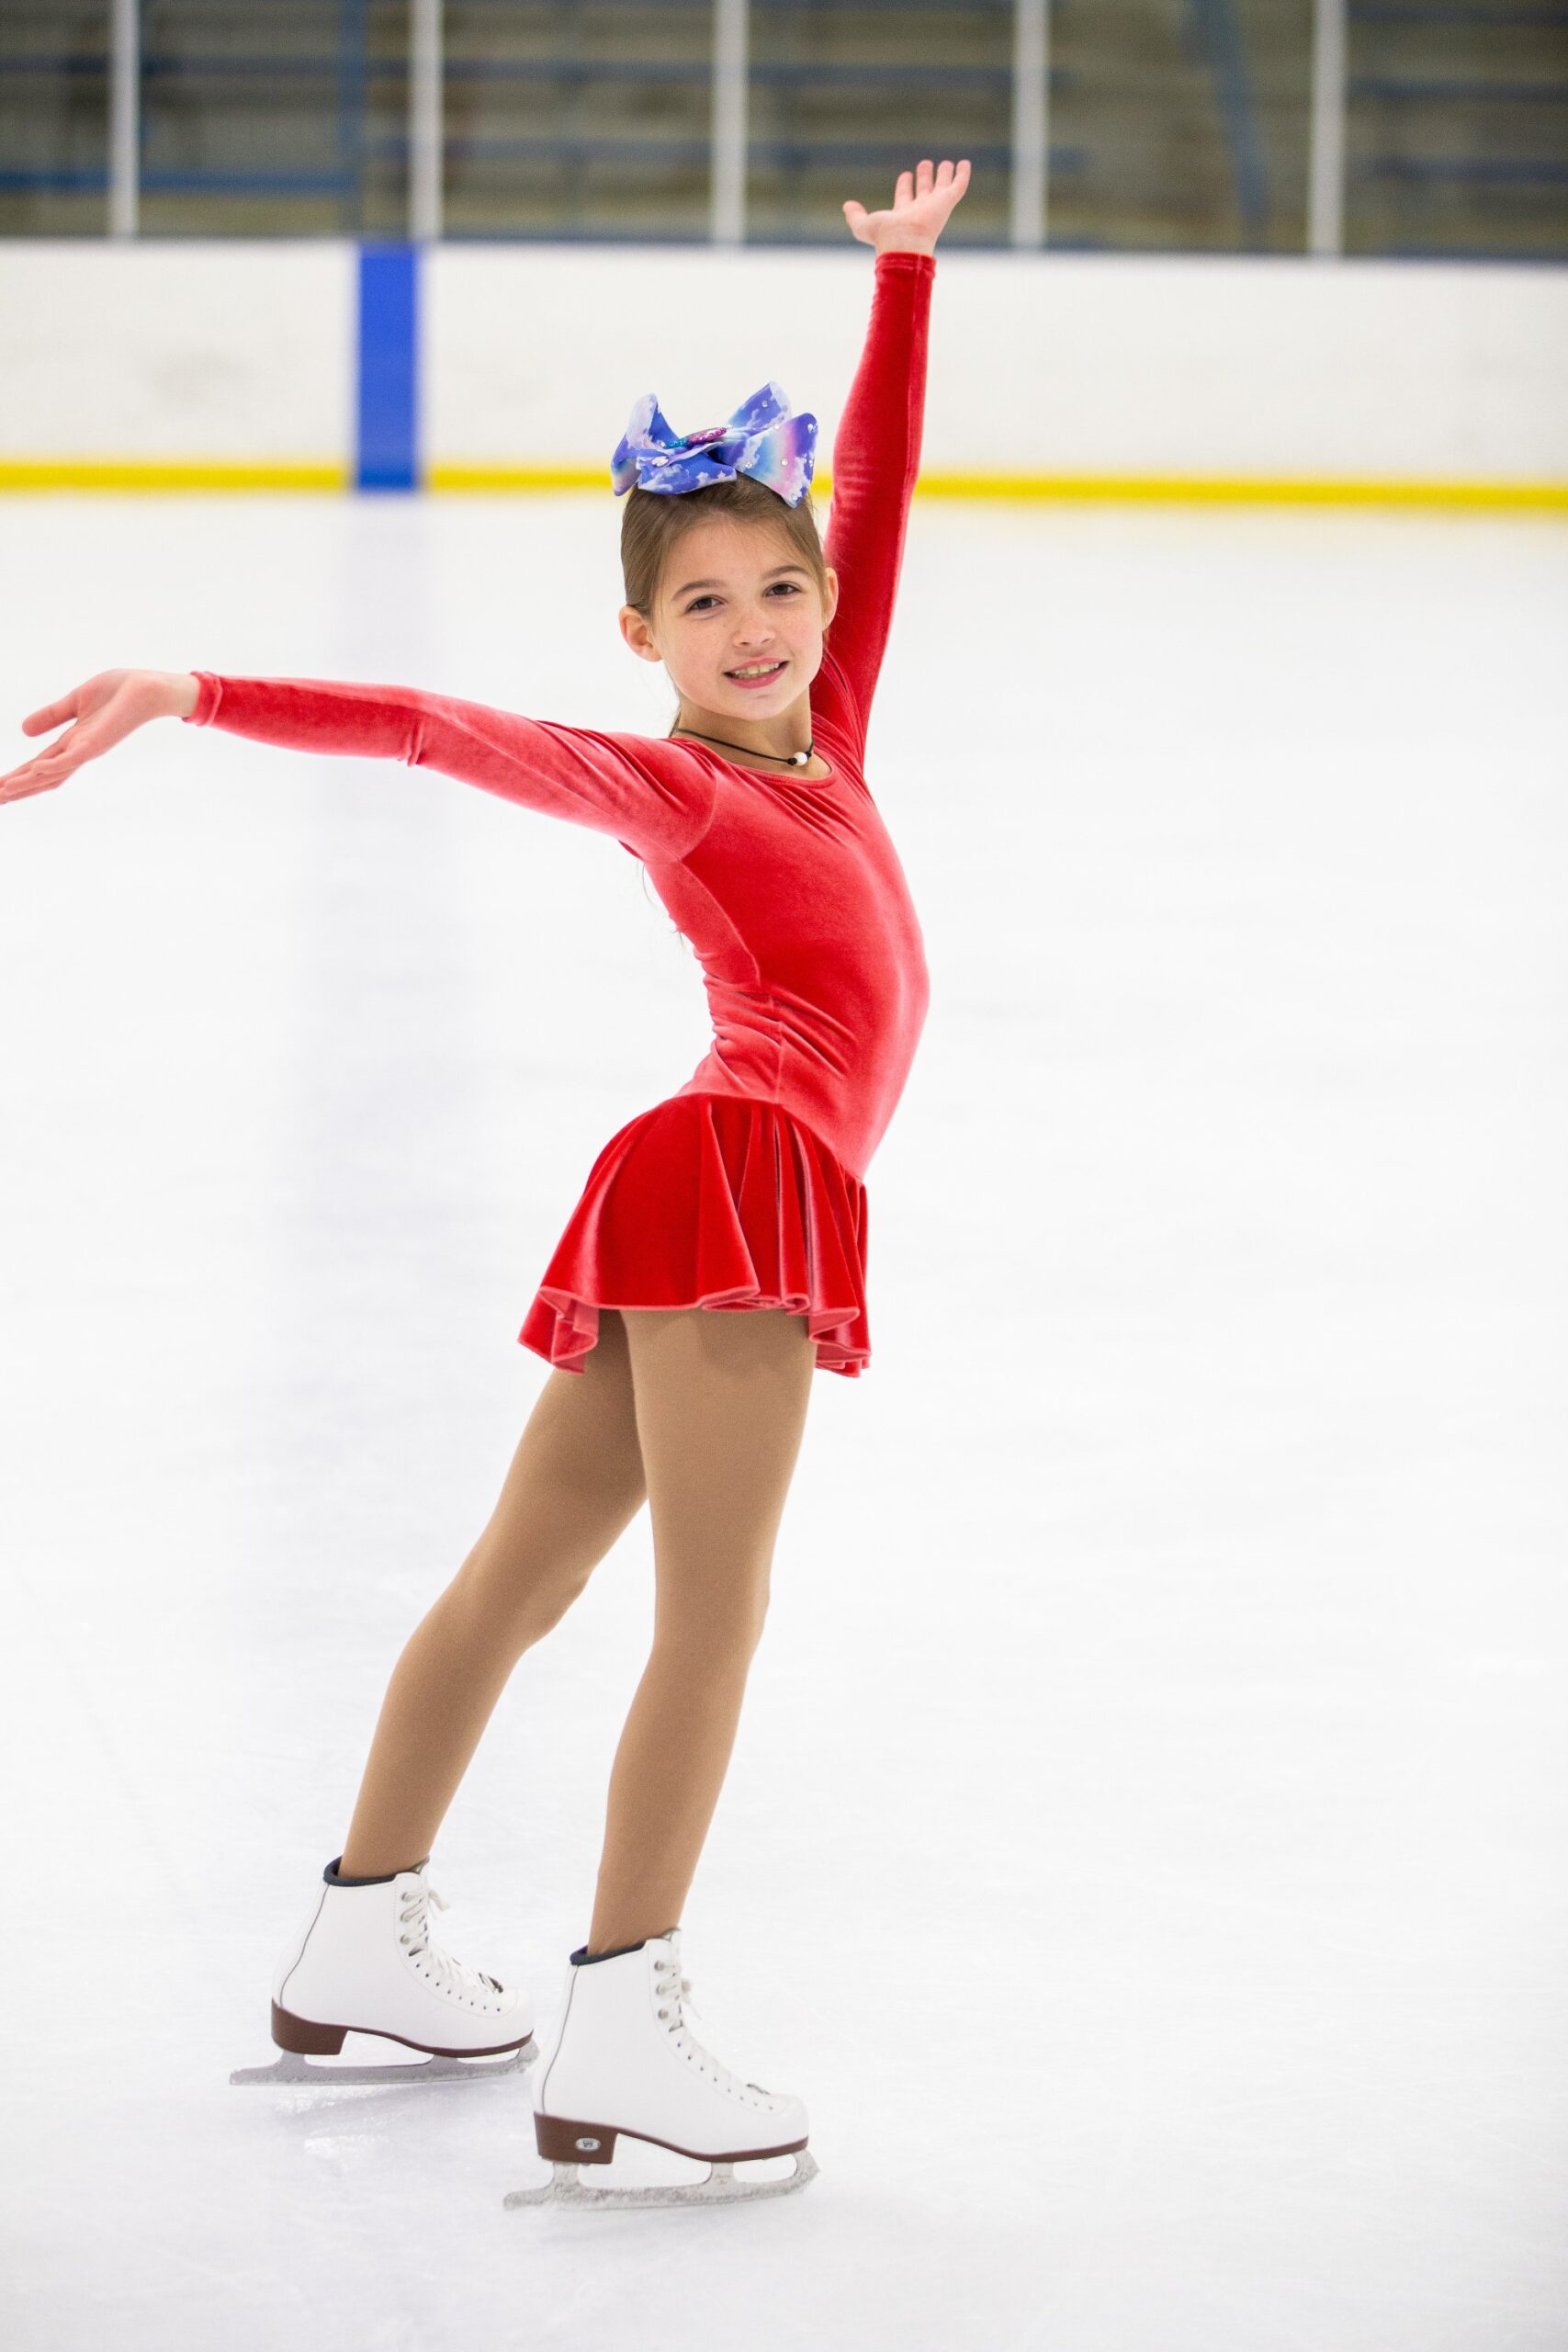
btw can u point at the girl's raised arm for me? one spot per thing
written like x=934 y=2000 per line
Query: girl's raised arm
x=651 y=795
x=877 y=450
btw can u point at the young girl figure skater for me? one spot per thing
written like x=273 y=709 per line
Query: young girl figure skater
x=717 y=1257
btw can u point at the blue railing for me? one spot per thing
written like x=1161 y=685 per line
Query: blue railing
x=1211 y=30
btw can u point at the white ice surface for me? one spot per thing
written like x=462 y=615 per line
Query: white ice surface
x=1146 y=1846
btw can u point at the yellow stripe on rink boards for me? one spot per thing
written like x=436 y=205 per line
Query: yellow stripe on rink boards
x=526 y=478
x=1269 y=489
x=1208 y=489
x=1263 y=490
x=164 y=473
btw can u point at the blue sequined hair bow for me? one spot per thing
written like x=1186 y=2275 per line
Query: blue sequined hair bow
x=762 y=439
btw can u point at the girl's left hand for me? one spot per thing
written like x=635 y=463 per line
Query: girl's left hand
x=918 y=214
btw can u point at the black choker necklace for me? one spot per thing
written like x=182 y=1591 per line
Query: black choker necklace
x=786 y=759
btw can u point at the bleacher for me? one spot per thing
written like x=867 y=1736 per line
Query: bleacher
x=1174 y=125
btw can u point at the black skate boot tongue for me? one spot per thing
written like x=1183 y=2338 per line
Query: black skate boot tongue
x=335 y=1877
x=583 y=1958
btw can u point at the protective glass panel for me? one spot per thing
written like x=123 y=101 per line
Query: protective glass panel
x=1173 y=125
x=1179 y=125
x=841 y=99
x=586 y=120
x=53 y=118
x=1457 y=131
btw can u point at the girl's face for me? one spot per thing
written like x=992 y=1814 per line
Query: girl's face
x=736 y=596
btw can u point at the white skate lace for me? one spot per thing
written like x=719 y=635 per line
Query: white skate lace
x=667 y=1977
x=452 y=1976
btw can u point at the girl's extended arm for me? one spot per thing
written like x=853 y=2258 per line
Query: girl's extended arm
x=653 y=797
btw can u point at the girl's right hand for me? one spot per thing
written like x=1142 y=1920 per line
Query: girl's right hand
x=105 y=709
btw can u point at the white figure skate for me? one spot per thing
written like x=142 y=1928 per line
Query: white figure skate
x=366 y=1962
x=622 y=2061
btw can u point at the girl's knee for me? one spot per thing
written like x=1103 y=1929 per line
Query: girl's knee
x=512 y=1600
x=715 y=1639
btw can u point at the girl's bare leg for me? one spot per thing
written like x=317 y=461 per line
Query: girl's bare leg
x=721 y=1401
x=575 y=1482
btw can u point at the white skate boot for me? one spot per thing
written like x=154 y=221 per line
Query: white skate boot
x=366 y=1962
x=622 y=2061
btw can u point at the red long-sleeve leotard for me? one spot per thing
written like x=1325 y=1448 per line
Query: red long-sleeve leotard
x=789 y=890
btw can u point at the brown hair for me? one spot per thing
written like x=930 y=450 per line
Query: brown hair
x=654 y=521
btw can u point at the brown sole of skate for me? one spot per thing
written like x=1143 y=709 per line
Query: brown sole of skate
x=300 y=2038
x=568 y=2146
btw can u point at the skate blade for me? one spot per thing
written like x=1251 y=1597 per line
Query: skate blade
x=289 y=2066
x=719 y=2187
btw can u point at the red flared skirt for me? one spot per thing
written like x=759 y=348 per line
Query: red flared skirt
x=711 y=1200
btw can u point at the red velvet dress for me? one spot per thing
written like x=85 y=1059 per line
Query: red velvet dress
x=745 y=1188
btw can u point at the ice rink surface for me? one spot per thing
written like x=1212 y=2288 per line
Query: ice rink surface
x=1145 y=1849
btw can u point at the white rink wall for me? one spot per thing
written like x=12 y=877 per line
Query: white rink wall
x=1064 y=365
x=163 y=350
x=1050 y=363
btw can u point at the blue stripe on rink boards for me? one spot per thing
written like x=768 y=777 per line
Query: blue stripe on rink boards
x=387 y=457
